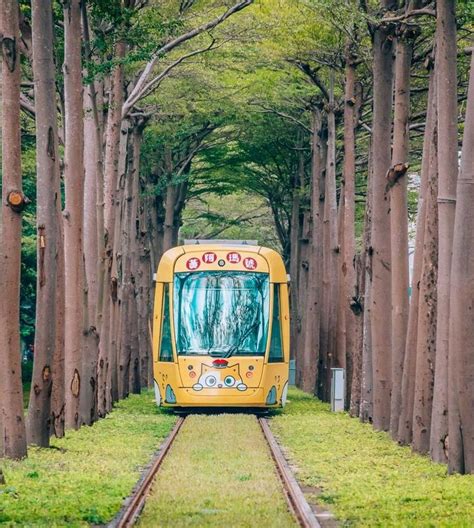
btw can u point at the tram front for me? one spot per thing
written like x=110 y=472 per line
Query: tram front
x=221 y=327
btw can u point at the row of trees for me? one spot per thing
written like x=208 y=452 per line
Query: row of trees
x=408 y=357
x=100 y=230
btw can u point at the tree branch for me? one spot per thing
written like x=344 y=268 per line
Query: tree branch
x=180 y=40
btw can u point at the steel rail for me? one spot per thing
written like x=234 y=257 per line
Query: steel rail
x=293 y=494
x=134 y=506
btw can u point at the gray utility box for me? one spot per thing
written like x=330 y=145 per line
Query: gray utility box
x=338 y=389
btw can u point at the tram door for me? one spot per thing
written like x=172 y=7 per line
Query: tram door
x=164 y=354
x=277 y=364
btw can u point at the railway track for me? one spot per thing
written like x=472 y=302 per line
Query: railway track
x=294 y=496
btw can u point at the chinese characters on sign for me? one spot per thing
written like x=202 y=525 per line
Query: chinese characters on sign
x=233 y=257
x=193 y=264
x=209 y=258
x=250 y=263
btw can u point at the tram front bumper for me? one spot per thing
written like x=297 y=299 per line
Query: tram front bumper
x=186 y=397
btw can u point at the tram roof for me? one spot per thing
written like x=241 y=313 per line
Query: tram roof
x=273 y=258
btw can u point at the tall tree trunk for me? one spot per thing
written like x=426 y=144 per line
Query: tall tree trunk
x=303 y=221
x=426 y=334
x=397 y=180
x=295 y=234
x=461 y=336
x=11 y=390
x=88 y=401
x=331 y=246
x=106 y=389
x=381 y=265
x=366 y=389
x=118 y=349
x=357 y=308
x=47 y=220
x=446 y=75
x=1 y=235
x=323 y=369
x=405 y=425
x=73 y=214
x=313 y=306
x=340 y=299
x=348 y=286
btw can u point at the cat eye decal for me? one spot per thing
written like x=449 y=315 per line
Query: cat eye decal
x=220 y=376
x=229 y=381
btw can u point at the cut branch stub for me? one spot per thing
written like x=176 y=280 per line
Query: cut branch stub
x=17 y=201
x=396 y=172
x=9 y=52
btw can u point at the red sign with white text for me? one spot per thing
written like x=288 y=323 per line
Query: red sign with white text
x=209 y=258
x=233 y=257
x=193 y=264
x=250 y=263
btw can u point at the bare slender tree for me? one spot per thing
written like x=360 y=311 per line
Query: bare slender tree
x=48 y=220
x=73 y=213
x=381 y=258
x=405 y=426
x=446 y=75
x=11 y=391
x=461 y=335
x=397 y=180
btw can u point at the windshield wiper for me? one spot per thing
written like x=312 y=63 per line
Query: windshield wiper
x=236 y=348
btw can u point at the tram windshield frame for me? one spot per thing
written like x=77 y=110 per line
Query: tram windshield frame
x=221 y=313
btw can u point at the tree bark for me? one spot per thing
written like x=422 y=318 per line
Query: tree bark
x=88 y=403
x=11 y=390
x=73 y=213
x=313 y=306
x=331 y=245
x=348 y=285
x=405 y=426
x=47 y=221
x=446 y=78
x=461 y=335
x=107 y=390
x=381 y=258
x=397 y=180
x=426 y=333
x=366 y=389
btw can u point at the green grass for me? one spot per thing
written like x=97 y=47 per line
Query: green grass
x=364 y=477
x=84 y=478
x=219 y=473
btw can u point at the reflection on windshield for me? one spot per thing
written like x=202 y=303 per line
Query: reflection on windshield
x=221 y=313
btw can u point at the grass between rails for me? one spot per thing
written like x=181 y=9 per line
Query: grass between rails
x=218 y=473
x=84 y=478
x=366 y=479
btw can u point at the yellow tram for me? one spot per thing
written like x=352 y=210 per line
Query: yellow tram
x=221 y=327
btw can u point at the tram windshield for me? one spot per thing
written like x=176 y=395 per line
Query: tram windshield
x=221 y=313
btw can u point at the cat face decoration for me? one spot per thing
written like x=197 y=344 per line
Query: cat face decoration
x=221 y=377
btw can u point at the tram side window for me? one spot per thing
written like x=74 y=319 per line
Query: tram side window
x=276 y=348
x=166 y=350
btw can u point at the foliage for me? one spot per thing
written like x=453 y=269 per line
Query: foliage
x=83 y=478
x=363 y=477
x=219 y=473
x=238 y=216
